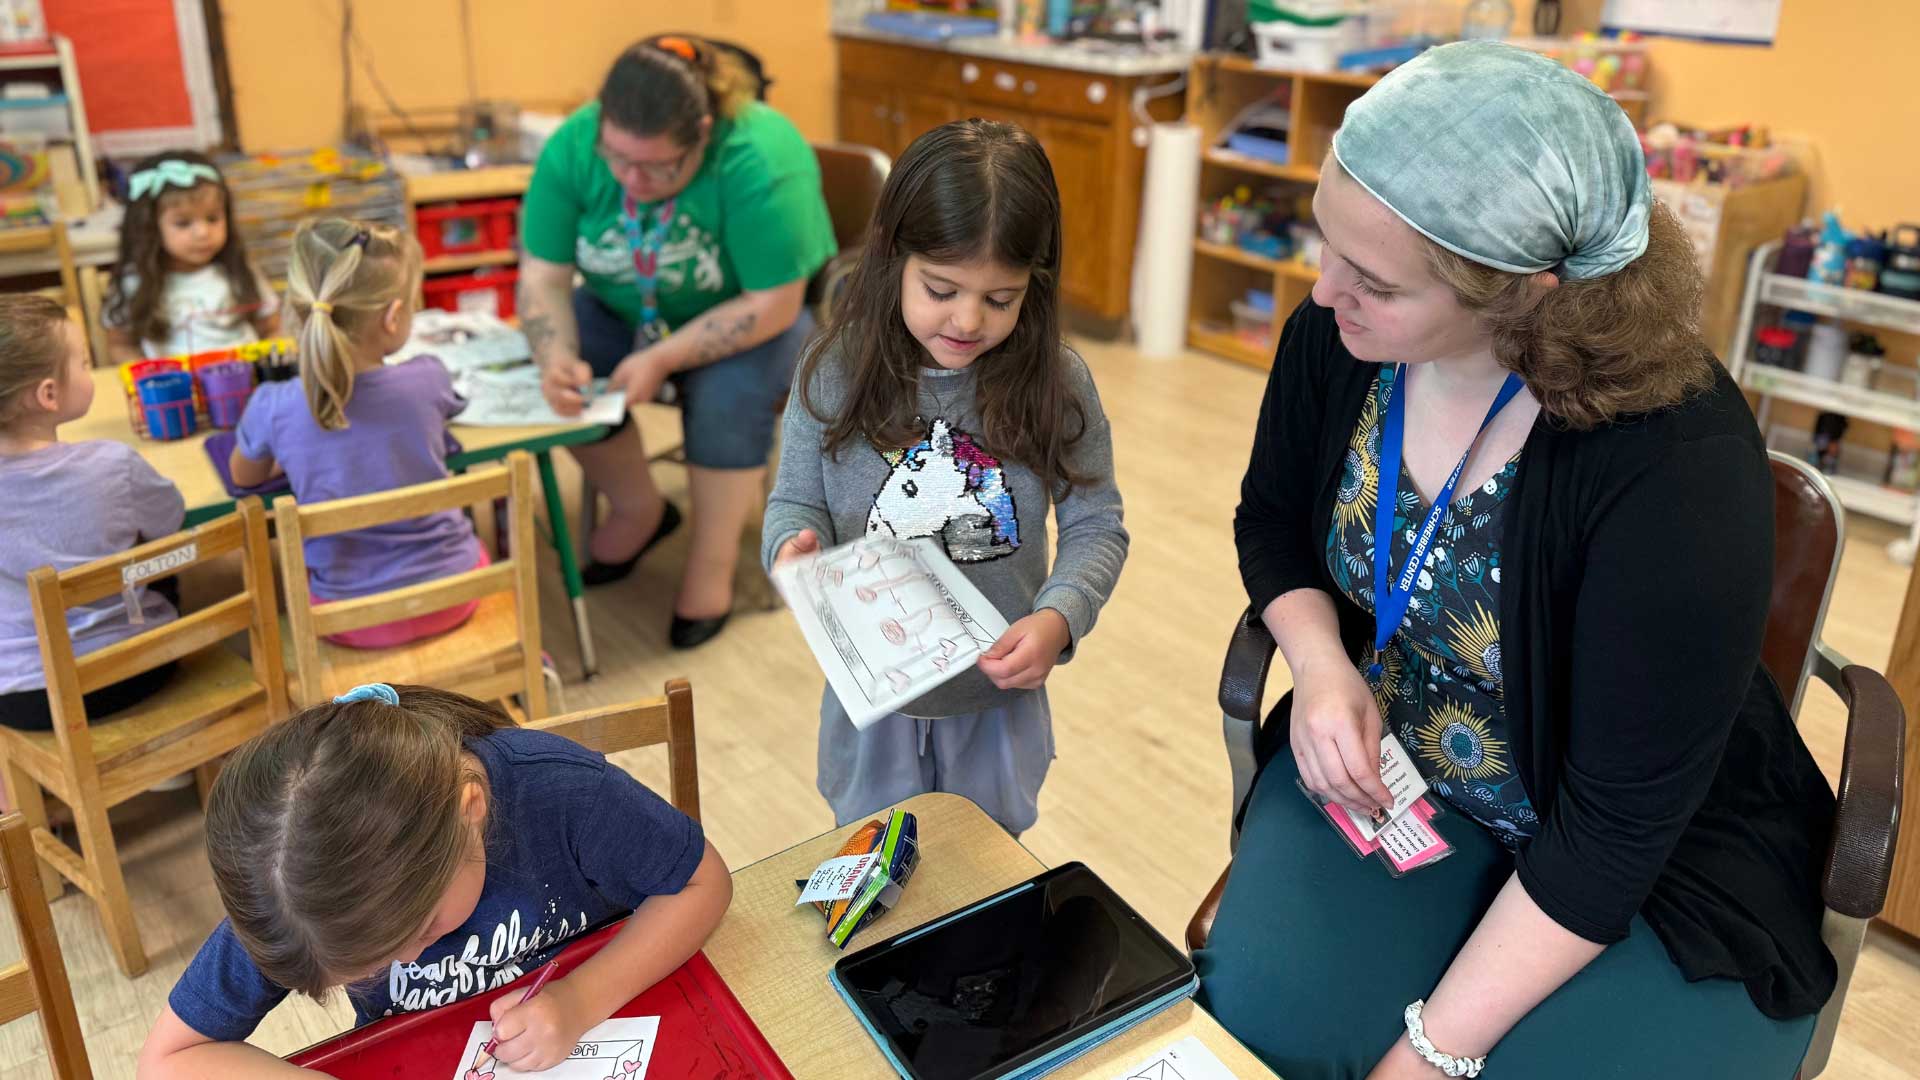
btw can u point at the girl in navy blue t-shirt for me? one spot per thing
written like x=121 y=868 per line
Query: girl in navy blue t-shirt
x=414 y=847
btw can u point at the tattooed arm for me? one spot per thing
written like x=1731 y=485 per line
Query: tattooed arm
x=733 y=327
x=545 y=305
x=726 y=329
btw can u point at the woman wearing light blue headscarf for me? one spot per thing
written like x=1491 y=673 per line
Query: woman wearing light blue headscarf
x=1567 y=650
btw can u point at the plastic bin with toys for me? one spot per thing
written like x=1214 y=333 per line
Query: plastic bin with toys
x=173 y=397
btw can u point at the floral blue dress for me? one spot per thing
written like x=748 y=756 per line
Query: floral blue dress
x=1440 y=686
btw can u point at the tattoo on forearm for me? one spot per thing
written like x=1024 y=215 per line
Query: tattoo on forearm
x=720 y=337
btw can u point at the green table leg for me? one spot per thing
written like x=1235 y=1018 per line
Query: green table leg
x=569 y=563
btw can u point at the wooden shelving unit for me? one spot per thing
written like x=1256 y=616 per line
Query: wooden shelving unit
x=1218 y=89
x=450 y=264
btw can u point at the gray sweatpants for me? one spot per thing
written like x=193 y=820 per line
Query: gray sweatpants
x=997 y=758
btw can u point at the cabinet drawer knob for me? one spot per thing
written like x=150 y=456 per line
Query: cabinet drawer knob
x=899 y=118
x=1029 y=87
x=879 y=112
x=970 y=73
x=1096 y=92
x=1005 y=80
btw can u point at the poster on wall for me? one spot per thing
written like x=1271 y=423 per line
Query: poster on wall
x=147 y=71
x=1737 y=22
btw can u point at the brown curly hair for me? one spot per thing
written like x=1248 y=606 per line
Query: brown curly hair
x=1595 y=350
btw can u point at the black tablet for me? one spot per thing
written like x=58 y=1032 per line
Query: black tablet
x=1015 y=985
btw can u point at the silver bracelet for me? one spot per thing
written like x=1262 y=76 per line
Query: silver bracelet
x=1417 y=1036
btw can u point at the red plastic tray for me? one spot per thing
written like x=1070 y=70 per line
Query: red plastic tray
x=704 y=1033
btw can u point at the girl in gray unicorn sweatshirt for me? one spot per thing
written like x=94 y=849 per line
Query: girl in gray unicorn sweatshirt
x=940 y=401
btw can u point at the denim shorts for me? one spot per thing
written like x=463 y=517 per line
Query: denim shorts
x=729 y=407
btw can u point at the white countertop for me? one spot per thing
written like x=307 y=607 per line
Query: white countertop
x=1104 y=60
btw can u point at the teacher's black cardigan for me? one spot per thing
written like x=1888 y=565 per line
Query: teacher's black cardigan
x=1638 y=561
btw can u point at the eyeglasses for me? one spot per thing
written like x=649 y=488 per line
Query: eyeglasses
x=659 y=172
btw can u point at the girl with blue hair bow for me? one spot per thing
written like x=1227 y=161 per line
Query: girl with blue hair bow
x=1504 y=505
x=183 y=283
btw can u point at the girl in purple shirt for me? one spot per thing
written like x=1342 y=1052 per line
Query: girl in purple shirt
x=352 y=425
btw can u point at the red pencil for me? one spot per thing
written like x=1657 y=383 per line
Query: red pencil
x=539 y=981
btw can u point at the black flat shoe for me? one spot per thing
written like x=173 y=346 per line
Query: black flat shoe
x=690 y=633
x=599 y=573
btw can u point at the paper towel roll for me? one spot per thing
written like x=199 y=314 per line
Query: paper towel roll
x=1163 y=257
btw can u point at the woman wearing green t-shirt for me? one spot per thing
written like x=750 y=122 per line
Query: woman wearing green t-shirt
x=695 y=217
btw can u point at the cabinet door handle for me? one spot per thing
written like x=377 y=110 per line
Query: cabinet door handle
x=879 y=112
x=900 y=118
x=1005 y=80
x=969 y=72
x=1029 y=87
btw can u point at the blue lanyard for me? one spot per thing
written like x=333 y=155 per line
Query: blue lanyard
x=646 y=252
x=1390 y=596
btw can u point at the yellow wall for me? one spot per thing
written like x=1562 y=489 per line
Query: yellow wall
x=285 y=56
x=1839 y=76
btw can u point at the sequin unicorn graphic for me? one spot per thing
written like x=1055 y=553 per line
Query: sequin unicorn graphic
x=948 y=488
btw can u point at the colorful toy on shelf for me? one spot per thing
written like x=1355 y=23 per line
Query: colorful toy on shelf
x=1259 y=224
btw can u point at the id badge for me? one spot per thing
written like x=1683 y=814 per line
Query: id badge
x=1409 y=842
x=650 y=333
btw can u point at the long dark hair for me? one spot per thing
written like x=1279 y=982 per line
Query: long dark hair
x=967 y=190
x=334 y=835
x=142 y=254
x=666 y=85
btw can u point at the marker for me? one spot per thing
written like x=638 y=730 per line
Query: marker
x=539 y=981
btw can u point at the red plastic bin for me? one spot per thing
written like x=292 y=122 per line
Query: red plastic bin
x=489 y=291
x=457 y=228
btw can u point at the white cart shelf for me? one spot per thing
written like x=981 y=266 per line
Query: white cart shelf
x=1768 y=289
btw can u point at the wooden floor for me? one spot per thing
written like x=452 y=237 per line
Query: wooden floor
x=1140 y=789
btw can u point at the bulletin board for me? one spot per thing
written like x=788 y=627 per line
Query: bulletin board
x=1740 y=22
x=146 y=71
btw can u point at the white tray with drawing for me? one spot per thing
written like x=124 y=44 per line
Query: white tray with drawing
x=888 y=620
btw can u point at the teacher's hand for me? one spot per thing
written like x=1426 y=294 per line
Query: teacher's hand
x=562 y=381
x=1335 y=735
x=640 y=375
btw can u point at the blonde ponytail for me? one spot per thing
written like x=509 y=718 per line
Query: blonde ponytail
x=340 y=281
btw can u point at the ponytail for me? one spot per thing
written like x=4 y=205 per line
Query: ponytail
x=667 y=85
x=341 y=279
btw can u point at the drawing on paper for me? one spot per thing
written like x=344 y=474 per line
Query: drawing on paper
x=617 y=1049
x=1187 y=1059
x=512 y=398
x=888 y=619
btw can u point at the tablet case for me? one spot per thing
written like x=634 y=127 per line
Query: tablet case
x=1077 y=1047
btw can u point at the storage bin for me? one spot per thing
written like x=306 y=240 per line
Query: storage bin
x=1251 y=324
x=1292 y=47
x=462 y=227
x=487 y=291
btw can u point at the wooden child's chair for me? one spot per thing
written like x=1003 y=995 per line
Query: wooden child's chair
x=636 y=724
x=38 y=982
x=494 y=654
x=212 y=704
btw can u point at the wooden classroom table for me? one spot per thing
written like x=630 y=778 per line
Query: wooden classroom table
x=185 y=462
x=775 y=956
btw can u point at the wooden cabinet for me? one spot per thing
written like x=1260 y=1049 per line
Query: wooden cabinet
x=866 y=116
x=891 y=94
x=1094 y=259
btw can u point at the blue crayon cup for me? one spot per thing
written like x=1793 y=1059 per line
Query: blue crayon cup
x=166 y=401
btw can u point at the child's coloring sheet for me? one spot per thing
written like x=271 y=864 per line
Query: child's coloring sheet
x=1188 y=1059
x=616 y=1049
x=512 y=398
x=464 y=340
x=888 y=620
